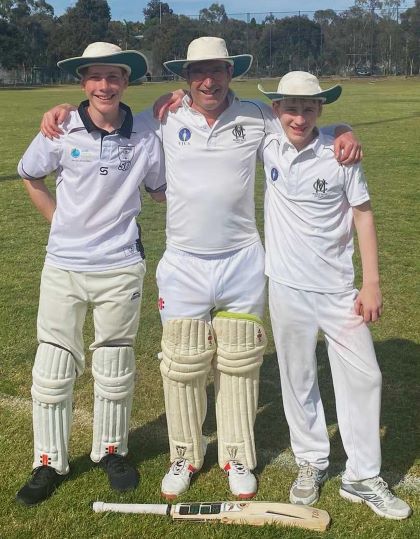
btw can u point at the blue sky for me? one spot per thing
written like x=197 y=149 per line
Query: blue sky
x=131 y=10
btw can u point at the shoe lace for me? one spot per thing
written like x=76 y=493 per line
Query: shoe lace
x=381 y=487
x=238 y=467
x=42 y=475
x=308 y=475
x=178 y=466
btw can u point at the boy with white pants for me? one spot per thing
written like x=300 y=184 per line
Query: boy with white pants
x=94 y=256
x=311 y=204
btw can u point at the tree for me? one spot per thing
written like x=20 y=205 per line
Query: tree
x=86 y=22
x=156 y=10
x=410 y=22
x=216 y=13
x=25 y=32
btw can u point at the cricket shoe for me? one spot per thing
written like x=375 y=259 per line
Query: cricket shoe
x=41 y=485
x=305 y=488
x=376 y=494
x=121 y=475
x=242 y=481
x=178 y=478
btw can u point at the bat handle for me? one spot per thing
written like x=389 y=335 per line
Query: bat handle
x=147 y=508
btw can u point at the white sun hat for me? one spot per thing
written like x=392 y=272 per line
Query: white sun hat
x=302 y=84
x=210 y=48
x=101 y=53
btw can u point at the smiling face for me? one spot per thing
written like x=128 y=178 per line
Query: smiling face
x=104 y=86
x=298 y=118
x=209 y=86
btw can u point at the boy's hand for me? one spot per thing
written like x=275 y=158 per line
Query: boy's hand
x=53 y=118
x=347 y=148
x=168 y=102
x=369 y=303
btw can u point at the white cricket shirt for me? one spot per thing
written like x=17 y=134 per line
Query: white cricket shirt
x=211 y=175
x=308 y=214
x=97 y=189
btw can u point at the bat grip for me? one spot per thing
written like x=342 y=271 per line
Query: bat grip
x=146 y=508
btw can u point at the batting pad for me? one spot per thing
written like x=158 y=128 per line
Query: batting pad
x=113 y=369
x=187 y=351
x=241 y=342
x=53 y=376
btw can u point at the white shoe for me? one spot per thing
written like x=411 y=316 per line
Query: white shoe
x=242 y=481
x=177 y=479
x=305 y=488
x=376 y=494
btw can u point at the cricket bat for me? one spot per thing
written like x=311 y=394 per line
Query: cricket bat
x=252 y=513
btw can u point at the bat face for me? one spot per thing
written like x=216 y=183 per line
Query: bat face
x=253 y=513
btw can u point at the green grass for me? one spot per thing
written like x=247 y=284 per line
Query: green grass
x=385 y=115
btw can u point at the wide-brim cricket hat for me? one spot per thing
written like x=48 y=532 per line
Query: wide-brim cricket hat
x=203 y=49
x=101 y=53
x=303 y=85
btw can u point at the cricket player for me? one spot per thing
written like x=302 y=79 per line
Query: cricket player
x=94 y=256
x=311 y=206
x=211 y=277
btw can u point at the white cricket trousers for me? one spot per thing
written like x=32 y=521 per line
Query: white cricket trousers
x=192 y=286
x=64 y=298
x=296 y=317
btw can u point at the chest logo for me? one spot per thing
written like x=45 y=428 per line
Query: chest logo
x=75 y=153
x=184 y=136
x=239 y=133
x=320 y=188
x=125 y=155
x=274 y=174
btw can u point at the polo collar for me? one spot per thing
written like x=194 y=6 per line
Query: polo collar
x=315 y=146
x=125 y=130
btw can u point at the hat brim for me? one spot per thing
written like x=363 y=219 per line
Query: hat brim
x=135 y=60
x=327 y=96
x=241 y=64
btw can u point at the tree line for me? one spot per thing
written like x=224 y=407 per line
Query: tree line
x=371 y=37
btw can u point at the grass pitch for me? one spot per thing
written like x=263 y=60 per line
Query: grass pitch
x=385 y=115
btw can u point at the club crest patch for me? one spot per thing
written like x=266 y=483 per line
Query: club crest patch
x=125 y=155
x=239 y=133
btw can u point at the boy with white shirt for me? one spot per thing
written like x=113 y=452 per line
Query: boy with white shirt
x=311 y=205
x=94 y=256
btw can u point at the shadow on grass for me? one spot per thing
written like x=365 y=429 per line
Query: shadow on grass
x=398 y=361
x=8 y=177
x=388 y=120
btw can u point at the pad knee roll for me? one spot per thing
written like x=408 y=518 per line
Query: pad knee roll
x=241 y=342
x=53 y=376
x=113 y=369
x=187 y=351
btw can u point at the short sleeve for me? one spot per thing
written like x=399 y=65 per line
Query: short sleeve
x=355 y=185
x=40 y=159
